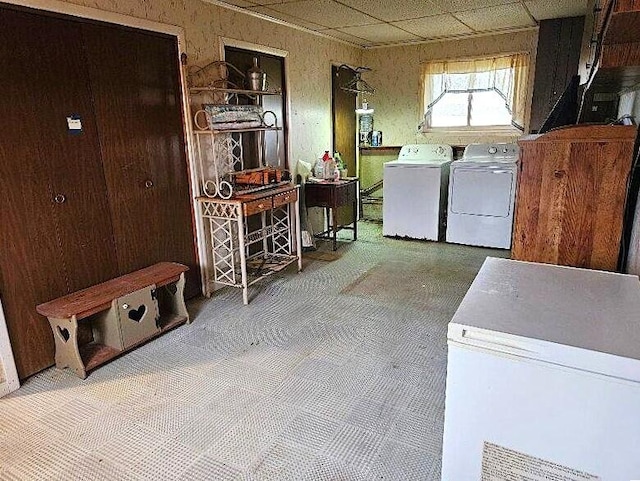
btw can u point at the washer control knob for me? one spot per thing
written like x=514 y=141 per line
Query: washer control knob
x=493 y=150
x=440 y=150
x=505 y=150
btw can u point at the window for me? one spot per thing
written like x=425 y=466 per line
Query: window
x=476 y=94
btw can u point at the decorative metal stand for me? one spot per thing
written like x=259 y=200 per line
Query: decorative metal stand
x=241 y=255
x=253 y=230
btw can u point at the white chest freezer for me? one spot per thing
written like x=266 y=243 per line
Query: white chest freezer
x=543 y=376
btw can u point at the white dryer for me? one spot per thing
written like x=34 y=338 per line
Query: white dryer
x=414 y=196
x=482 y=195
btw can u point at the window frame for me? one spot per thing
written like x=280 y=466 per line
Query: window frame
x=513 y=128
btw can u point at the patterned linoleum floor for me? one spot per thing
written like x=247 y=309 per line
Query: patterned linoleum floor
x=336 y=373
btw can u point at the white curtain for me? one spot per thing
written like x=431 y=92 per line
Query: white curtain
x=507 y=75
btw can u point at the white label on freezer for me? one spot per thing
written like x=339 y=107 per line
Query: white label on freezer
x=503 y=464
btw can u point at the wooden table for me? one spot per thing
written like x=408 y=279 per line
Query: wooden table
x=331 y=195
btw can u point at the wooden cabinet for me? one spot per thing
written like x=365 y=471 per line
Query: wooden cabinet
x=333 y=195
x=571 y=193
x=65 y=223
x=617 y=65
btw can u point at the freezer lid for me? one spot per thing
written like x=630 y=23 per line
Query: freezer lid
x=561 y=310
x=558 y=355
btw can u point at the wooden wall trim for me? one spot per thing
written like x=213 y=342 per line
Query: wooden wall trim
x=103 y=16
x=585 y=133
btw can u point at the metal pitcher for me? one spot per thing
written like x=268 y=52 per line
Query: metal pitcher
x=256 y=77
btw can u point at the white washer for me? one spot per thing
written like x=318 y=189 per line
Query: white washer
x=415 y=192
x=482 y=194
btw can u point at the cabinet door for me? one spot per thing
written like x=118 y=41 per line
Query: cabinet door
x=570 y=201
x=542 y=185
x=595 y=194
x=137 y=97
x=47 y=248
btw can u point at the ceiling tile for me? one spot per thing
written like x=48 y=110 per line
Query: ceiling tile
x=348 y=38
x=284 y=17
x=434 y=27
x=267 y=2
x=497 y=18
x=461 y=5
x=388 y=11
x=380 y=33
x=239 y=3
x=327 y=12
x=545 y=9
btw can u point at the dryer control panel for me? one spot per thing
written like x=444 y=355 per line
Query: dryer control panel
x=491 y=151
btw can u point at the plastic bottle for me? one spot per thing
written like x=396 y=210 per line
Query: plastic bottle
x=326 y=166
x=338 y=159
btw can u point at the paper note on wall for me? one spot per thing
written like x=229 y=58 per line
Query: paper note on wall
x=503 y=464
x=74 y=124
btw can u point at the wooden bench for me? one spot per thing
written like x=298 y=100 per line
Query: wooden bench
x=116 y=316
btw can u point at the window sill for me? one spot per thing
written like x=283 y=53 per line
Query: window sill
x=472 y=130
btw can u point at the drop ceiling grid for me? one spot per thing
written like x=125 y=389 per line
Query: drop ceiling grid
x=330 y=13
x=370 y=23
x=497 y=18
x=435 y=27
x=546 y=9
x=380 y=33
x=398 y=10
x=270 y=12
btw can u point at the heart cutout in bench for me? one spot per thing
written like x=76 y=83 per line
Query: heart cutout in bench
x=137 y=314
x=172 y=288
x=64 y=333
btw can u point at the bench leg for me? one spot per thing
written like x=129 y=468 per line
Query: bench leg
x=65 y=333
x=179 y=306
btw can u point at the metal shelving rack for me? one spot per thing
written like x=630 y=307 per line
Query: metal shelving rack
x=220 y=152
x=242 y=252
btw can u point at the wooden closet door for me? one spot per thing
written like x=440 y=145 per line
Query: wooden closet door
x=54 y=236
x=137 y=98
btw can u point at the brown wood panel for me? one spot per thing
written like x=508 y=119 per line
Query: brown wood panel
x=47 y=249
x=344 y=118
x=74 y=164
x=627 y=6
x=137 y=98
x=571 y=195
x=557 y=59
x=618 y=52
